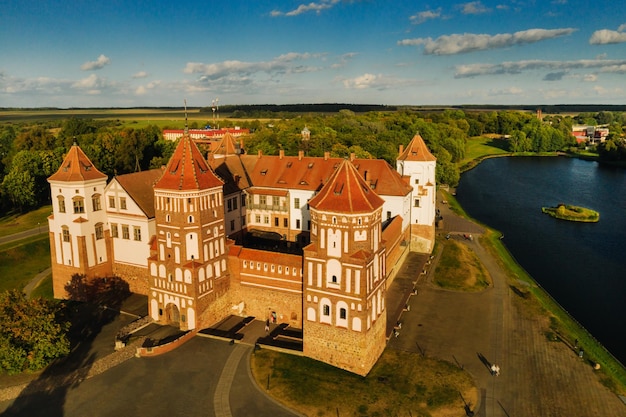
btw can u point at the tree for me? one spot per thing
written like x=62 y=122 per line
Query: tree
x=31 y=333
x=19 y=187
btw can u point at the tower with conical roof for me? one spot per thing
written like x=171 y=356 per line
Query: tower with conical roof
x=417 y=165
x=79 y=242
x=344 y=274
x=189 y=278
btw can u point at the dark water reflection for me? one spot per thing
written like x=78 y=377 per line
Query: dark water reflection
x=583 y=266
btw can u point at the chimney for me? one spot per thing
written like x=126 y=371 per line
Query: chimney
x=365 y=176
x=260 y=154
x=300 y=155
x=401 y=149
x=281 y=154
x=237 y=178
x=326 y=156
x=352 y=156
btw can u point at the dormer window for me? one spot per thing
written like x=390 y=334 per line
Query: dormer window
x=263 y=172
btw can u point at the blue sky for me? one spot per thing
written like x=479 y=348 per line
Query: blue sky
x=118 y=53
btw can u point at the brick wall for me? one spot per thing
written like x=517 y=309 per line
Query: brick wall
x=260 y=303
x=136 y=277
x=422 y=238
x=356 y=352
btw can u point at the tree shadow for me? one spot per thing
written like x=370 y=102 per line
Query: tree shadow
x=93 y=304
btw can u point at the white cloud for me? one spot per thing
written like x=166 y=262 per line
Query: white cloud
x=422 y=17
x=375 y=81
x=517 y=67
x=97 y=64
x=590 y=78
x=286 y=63
x=470 y=42
x=605 y=36
x=140 y=74
x=621 y=27
x=474 y=7
x=305 y=8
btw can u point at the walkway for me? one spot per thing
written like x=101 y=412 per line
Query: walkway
x=538 y=377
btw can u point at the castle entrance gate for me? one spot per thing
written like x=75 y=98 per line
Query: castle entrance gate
x=172 y=315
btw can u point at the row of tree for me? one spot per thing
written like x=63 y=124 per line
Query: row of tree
x=30 y=153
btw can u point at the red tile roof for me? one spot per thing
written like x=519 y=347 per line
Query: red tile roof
x=76 y=166
x=346 y=191
x=416 y=150
x=226 y=146
x=188 y=170
x=140 y=187
x=310 y=173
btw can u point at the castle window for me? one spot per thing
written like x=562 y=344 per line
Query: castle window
x=232 y=225
x=359 y=221
x=137 y=233
x=266 y=219
x=296 y=203
x=95 y=202
x=114 y=231
x=273 y=268
x=66 y=234
x=280 y=269
x=334 y=220
x=245 y=264
x=275 y=201
x=123 y=203
x=285 y=222
x=229 y=205
x=190 y=219
x=276 y=221
x=417 y=180
x=79 y=205
x=243 y=200
x=167 y=218
x=287 y=270
x=334 y=279
x=416 y=202
x=234 y=203
x=263 y=200
x=257 y=218
x=297 y=223
x=326 y=310
x=61 y=204
x=111 y=202
x=342 y=313
x=125 y=232
x=99 y=231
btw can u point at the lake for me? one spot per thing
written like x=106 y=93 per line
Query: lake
x=581 y=265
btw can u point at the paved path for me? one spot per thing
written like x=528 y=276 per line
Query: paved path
x=538 y=377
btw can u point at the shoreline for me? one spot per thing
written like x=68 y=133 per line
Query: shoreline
x=567 y=328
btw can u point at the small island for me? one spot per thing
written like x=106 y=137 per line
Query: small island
x=572 y=213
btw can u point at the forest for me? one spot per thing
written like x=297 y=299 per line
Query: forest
x=32 y=151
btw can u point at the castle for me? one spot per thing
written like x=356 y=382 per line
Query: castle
x=178 y=235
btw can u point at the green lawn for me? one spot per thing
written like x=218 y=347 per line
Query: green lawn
x=20 y=262
x=15 y=223
x=479 y=147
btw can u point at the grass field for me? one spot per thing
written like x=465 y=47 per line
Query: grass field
x=20 y=262
x=15 y=223
x=460 y=269
x=400 y=384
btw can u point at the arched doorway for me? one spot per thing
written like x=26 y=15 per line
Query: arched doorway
x=172 y=315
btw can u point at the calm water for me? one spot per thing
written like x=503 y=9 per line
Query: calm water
x=583 y=266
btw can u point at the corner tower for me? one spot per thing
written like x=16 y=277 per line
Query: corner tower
x=79 y=239
x=344 y=274
x=189 y=279
x=417 y=165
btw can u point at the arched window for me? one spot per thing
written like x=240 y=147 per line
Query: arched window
x=61 y=200
x=95 y=202
x=79 y=205
x=99 y=231
x=66 y=233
